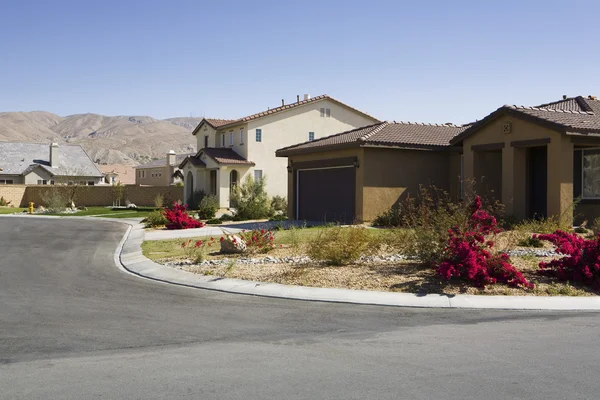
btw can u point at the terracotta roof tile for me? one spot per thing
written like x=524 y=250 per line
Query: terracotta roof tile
x=224 y=155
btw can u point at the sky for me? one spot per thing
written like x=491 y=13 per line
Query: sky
x=425 y=61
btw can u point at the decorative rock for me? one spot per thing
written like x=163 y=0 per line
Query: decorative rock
x=232 y=244
x=131 y=205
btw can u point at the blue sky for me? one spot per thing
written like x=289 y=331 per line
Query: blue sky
x=432 y=61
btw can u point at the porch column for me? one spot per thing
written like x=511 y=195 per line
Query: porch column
x=223 y=187
x=560 y=178
x=508 y=181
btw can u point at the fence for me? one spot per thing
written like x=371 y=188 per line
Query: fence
x=21 y=195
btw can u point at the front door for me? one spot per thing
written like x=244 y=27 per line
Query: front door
x=538 y=181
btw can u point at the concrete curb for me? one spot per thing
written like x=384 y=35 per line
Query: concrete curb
x=129 y=258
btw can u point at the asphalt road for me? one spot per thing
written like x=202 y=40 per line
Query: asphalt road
x=73 y=326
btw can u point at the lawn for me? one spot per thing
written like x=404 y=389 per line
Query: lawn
x=109 y=212
x=11 y=210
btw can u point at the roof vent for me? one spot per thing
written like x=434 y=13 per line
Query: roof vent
x=282 y=102
x=564 y=96
x=590 y=97
x=306 y=96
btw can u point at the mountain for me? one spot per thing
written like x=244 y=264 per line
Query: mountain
x=108 y=140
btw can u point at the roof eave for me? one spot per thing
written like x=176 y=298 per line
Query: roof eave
x=316 y=149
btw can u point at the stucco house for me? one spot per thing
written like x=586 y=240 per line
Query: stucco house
x=162 y=172
x=356 y=175
x=539 y=161
x=231 y=150
x=46 y=164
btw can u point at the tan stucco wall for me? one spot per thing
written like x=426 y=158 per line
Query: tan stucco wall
x=165 y=179
x=240 y=142
x=514 y=179
x=391 y=174
x=354 y=152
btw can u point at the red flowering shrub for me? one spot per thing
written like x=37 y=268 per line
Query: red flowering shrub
x=196 y=250
x=178 y=218
x=467 y=253
x=581 y=261
x=258 y=241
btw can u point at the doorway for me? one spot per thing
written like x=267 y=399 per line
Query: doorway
x=233 y=182
x=537 y=182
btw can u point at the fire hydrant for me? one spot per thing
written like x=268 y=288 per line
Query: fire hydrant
x=31 y=207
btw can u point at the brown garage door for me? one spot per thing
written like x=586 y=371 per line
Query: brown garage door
x=326 y=195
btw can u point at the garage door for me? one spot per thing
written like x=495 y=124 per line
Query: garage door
x=326 y=194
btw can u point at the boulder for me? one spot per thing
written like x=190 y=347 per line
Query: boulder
x=232 y=244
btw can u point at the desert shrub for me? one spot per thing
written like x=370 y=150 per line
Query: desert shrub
x=196 y=250
x=4 y=202
x=55 y=199
x=391 y=217
x=154 y=219
x=279 y=217
x=468 y=255
x=258 y=240
x=196 y=199
x=178 y=218
x=531 y=241
x=581 y=261
x=339 y=246
x=595 y=227
x=159 y=200
x=208 y=206
x=251 y=200
x=213 y=221
x=226 y=217
x=279 y=203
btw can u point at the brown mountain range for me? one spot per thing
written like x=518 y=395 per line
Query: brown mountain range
x=125 y=140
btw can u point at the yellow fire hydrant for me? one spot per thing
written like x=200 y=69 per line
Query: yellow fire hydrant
x=31 y=207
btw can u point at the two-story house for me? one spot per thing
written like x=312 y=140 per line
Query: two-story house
x=230 y=150
x=161 y=172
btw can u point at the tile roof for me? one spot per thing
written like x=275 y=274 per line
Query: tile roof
x=396 y=134
x=572 y=115
x=224 y=155
x=215 y=123
x=196 y=162
x=21 y=158
x=161 y=162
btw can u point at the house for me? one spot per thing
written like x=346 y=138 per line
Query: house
x=43 y=164
x=231 y=150
x=540 y=159
x=356 y=175
x=118 y=173
x=163 y=172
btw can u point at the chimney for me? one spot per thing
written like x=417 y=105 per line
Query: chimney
x=297 y=98
x=54 y=154
x=171 y=157
x=282 y=103
x=564 y=96
x=306 y=96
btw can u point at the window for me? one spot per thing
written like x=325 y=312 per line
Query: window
x=205 y=141
x=590 y=171
x=322 y=112
x=241 y=135
x=311 y=136
x=42 y=182
x=91 y=183
x=6 y=181
x=326 y=112
x=52 y=182
x=222 y=140
x=259 y=135
x=258 y=175
x=230 y=138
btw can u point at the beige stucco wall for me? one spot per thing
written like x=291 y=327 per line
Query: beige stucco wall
x=292 y=127
x=165 y=179
x=209 y=131
x=240 y=142
x=391 y=174
x=353 y=152
x=514 y=179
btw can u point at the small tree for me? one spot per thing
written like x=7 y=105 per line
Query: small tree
x=118 y=191
x=251 y=199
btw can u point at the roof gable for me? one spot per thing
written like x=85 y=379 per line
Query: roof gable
x=214 y=123
x=221 y=155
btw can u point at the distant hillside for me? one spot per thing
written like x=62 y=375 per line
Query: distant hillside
x=108 y=140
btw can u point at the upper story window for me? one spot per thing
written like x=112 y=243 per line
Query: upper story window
x=231 y=138
x=326 y=112
x=259 y=135
x=311 y=136
x=241 y=135
x=205 y=141
x=222 y=140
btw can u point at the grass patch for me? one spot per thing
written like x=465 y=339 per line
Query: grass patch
x=11 y=210
x=109 y=212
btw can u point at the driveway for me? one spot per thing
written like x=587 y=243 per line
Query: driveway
x=74 y=326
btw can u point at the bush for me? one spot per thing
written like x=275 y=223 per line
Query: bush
x=208 y=207
x=159 y=200
x=581 y=261
x=468 y=256
x=178 y=218
x=251 y=200
x=4 y=202
x=258 y=241
x=55 y=199
x=197 y=197
x=227 y=217
x=339 y=246
x=279 y=203
x=197 y=250
x=276 y=218
x=213 y=221
x=154 y=219
x=531 y=241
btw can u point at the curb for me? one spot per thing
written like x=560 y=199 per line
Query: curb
x=129 y=258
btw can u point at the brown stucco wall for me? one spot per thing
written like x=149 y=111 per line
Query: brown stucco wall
x=514 y=178
x=343 y=153
x=391 y=174
x=21 y=195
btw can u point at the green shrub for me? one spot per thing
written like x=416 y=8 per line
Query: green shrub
x=4 y=202
x=208 y=207
x=251 y=200
x=196 y=199
x=279 y=217
x=279 y=203
x=531 y=241
x=55 y=199
x=154 y=219
x=159 y=200
x=580 y=229
x=213 y=221
x=339 y=246
x=226 y=217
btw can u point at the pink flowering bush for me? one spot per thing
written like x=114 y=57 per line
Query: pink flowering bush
x=178 y=218
x=581 y=261
x=197 y=250
x=258 y=241
x=468 y=255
